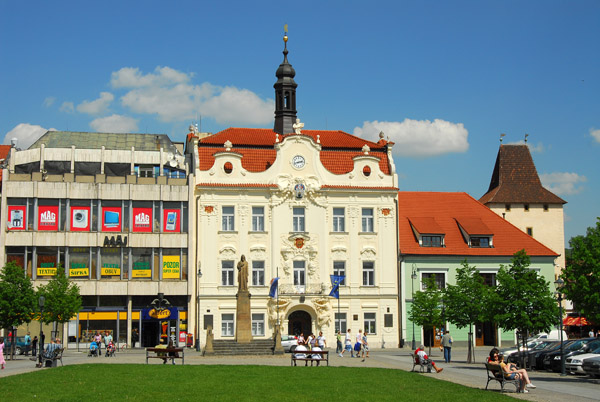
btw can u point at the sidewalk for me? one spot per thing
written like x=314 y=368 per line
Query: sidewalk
x=551 y=387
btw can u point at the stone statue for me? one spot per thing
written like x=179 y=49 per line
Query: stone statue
x=242 y=274
x=297 y=126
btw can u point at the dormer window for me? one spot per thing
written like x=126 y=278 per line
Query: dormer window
x=475 y=232
x=432 y=241
x=427 y=232
x=480 y=241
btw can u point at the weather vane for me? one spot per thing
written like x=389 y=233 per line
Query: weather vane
x=526 y=135
x=501 y=135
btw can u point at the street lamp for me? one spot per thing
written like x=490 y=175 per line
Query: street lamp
x=413 y=276
x=559 y=283
x=41 y=302
x=198 y=309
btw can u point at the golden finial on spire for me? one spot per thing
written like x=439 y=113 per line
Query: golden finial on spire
x=285 y=30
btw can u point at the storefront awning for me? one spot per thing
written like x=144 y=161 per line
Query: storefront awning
x=576 y=321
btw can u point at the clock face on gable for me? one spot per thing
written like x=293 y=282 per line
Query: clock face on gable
x=298 y=161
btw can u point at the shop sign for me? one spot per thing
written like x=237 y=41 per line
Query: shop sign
x=111 y=219
x=79 y=270
x=48 y=217
x=110 y=270
x=46 y=269
x=153 y=314
x=142 y=219
x=17 y=217
x=141 y=269
x=171 y=267
x=159 y=314
x=80 y=219
x=171 y=221
x=115 y=242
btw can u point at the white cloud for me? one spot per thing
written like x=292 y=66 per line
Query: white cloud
x=114 y=124
x=169 y=94
x=67 y=107
x=563 y=183
x=49 y=101
x=595 y=133
x=419 y=138
x=129 y=77
x=539 y=148
x=26 y=134
x=97 y=106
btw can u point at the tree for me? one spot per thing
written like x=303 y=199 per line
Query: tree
x=582 y=273
x=17 y=298
x=523 y=300
x=466 y=302
x=425 y=309
x=63 y=300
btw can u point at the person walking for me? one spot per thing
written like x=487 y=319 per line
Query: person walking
x=348 y=344
x=27 y=344
x=358 y=344
x=447 y=344
x=98 y=340
x=321 y=341
x=365 y=346
x=34 y=343
x=339 y=347
x=107 y=341
x=2 y=361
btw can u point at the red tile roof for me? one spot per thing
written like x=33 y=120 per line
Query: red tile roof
x=515 y=179
x=235 y=185
x=446 y=209
x=256 y=145
x=426 y=225
x=473 y=226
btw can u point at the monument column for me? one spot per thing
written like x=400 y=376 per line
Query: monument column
x=243 y=318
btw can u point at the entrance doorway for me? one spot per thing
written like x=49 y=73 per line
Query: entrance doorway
x=150 y=334
x=432 y=337
x=485 y=334
x=299 y=322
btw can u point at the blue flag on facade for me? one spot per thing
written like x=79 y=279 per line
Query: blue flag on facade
x=335 y=283
x=273 y=289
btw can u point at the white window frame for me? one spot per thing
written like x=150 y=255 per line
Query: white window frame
x=228 y=218
x=299 y=220
x=339 y=219
x=227 y=273
x=368 y=220
x=433 y=272
x=258 y=219
x=343 y=323
x=370 y=323
x=258 y=273
x=339 y=268
x=258 y=324
x=368 y=273
x=300 y=273
x=227 y=325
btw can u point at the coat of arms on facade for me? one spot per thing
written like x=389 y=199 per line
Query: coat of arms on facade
x=385 y=211
x=299 y=190
x=209 y=209
x=299 y=242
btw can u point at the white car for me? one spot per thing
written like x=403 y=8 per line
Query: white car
x=289 y=342
x=530 y=345
x=574 y=364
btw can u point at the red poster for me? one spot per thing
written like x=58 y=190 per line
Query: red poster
x=48 y=217
x=80 y=219
x=17 y=217
x=142 y=219
x=111 y=219
x=171 y=221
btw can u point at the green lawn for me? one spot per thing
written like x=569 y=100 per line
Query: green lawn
x=102 y=382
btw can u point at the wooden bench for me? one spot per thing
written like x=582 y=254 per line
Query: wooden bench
x=417 y=362
x=165 y=354
x=52 y=361
x=310 y=357
x=494 y=373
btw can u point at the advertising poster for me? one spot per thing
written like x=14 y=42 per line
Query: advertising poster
x=142 y=219
x=171 y=268
x=17 y=217
x=110 y=270
x=78 y=270
x=111 y=219
x=80 y=219
x=46 y=265
x=171 y=221
x=141 y=269
x=48 y=217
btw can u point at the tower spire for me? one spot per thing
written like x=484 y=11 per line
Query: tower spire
x=285 y=93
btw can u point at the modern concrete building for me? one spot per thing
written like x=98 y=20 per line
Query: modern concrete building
x=112 y=211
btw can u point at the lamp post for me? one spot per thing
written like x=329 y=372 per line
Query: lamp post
x=198 y=308
x=559 y=283
x=413 y=276
x=41 y=302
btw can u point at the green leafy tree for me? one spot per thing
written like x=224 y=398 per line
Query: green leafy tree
x=63 y=300
x=466 y=302
x=523 y=300
x=17 y=298
x=425 y=309
x=582 y=273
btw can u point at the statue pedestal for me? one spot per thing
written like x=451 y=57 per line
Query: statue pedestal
x=243 y=319
x=278 y=350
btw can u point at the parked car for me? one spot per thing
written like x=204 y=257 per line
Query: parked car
x=536 y=359
x=20 y=346
x=554 y=335
x=507 y=352
x=514 y=358
x=289 y=342
x=591 y=366
x=552 y=360
x=574 y=364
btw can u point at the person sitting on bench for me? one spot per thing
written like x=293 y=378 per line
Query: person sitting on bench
x=301 y=348
x=424 y=359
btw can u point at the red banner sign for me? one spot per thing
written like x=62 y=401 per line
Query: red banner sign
x=171 y=221
x=142 y=219
x=48 y=217
x=111 y=219
x=80 y=219
x=17 y=217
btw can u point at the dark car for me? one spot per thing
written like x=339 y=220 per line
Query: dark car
x=515 y=357
x=20 y=347
x=592 y=366
x=535 y=357
x=552 y=360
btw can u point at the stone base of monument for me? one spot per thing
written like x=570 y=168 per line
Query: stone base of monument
x=243 y=319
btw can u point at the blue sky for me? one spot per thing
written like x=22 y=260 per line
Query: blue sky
x=441 y=79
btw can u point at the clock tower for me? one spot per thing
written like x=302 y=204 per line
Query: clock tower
x=285 y=95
